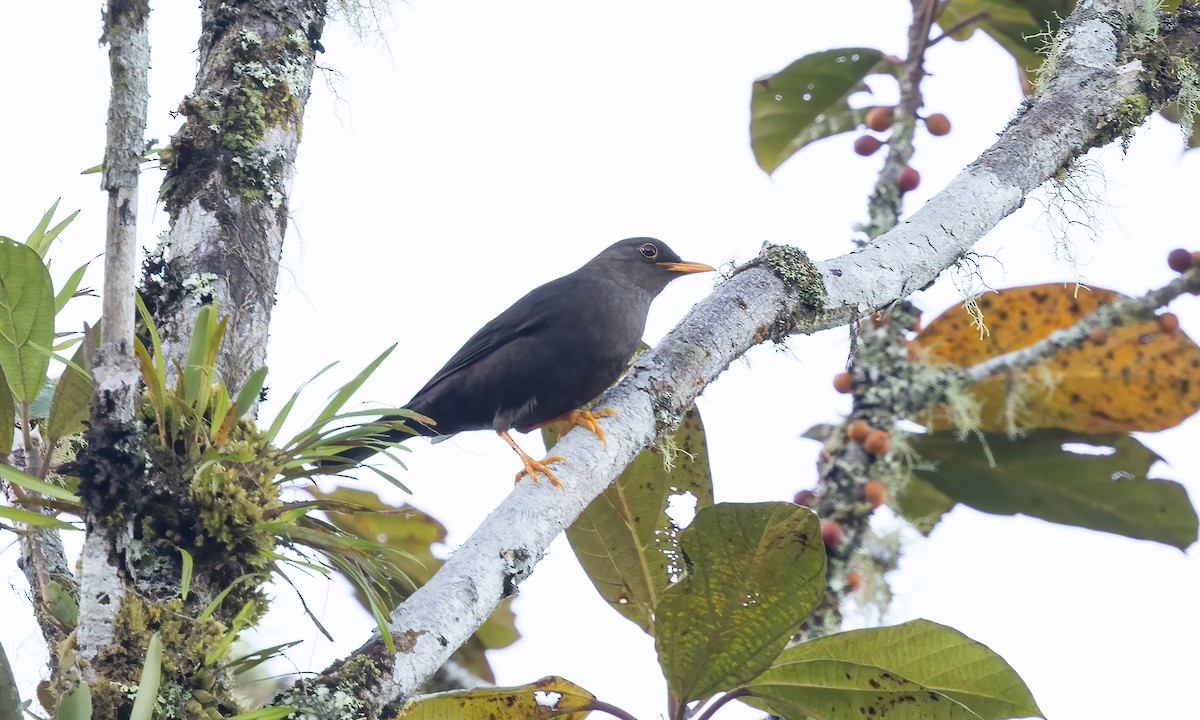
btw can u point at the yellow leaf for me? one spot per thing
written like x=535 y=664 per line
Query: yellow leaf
x=1141 y=379
x=545 y=698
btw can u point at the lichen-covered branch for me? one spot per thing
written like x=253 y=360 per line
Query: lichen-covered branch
x=1072 y=114
x=115 y=371
x=52 y=585
x=229 y=175
x=1119 y=312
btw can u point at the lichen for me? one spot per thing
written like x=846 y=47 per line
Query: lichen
x=201 y=287
x=1143 y=27
x=793 y=267
x=338 y=694
x=227 y=127
x=1188 y=97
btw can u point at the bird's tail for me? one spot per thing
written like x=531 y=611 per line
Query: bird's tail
x=392 y=430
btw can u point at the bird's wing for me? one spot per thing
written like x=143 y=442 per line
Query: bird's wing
x=528 y=315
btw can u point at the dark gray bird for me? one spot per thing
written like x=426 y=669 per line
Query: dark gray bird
x=541 y=360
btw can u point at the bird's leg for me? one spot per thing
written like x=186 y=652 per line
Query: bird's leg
x=583 y=418
x=532 y=467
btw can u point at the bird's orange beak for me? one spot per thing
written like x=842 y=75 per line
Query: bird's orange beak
x=686 y=267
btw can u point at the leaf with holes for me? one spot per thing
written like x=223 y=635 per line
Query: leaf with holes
x=807 y=101
x=624 y=539
x=754 y=572
x=1035 y=476
x=546 y=698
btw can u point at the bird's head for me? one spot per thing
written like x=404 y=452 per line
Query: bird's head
x=645 y=262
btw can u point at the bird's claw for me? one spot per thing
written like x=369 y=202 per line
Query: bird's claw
x=533 y=467
x=587 y=419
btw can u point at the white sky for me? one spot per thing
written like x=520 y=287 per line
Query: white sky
x=476 y=149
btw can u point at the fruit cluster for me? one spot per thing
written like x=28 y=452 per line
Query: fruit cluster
x=880 y=119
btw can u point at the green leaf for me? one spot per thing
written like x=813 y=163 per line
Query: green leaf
x=625 y=541
x=147 y=691
x=29 y=482
x=277 y=423
x=250 y=391
x=839 y=690
x=344 y=392
x=69 y=287
x=1034 y=476
x=258 y=657
x=274 y=712
x=10 y=697
x=806 y=101
x=1018 y=25
x=39 y=240
x=198 y=373
x=921 y=504
x=157 y=381
x=754 y=572
x=521 y=702
x=26 y=319
x=185 y=580
x=30 y=517
x=8 y=415
x=73 y=398
x=936 y=657
x=76 y=704
x=61 y=604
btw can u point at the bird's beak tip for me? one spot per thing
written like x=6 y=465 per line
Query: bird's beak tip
x=687 y=267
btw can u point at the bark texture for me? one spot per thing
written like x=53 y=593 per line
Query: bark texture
x=115 y=371
x=229 y=175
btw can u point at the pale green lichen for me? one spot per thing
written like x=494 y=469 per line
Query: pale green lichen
x=1143 y=27
x=793 y=267
x=201 y=286
x=1051 y=51
x=1188 y=97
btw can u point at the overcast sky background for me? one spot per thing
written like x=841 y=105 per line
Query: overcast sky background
x=472 y=150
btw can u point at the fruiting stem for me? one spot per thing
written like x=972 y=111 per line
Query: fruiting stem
x=883 y=207
x=958 y=26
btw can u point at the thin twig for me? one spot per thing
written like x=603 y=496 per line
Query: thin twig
x=731 y=695
x=594 y=705
x=958 y=26
x=1122 y=311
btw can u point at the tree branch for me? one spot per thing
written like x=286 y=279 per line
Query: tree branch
x=1070 y=115
x=115 y=371
x=1120 y=311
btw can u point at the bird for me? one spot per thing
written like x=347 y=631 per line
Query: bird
x=544 y=358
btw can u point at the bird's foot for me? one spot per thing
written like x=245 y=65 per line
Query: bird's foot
x=533 y=467
x=587 y=419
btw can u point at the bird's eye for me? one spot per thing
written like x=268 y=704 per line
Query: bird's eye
x=648 y=250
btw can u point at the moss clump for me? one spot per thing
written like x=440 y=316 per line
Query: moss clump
x=186 y=646
x=798 y=272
